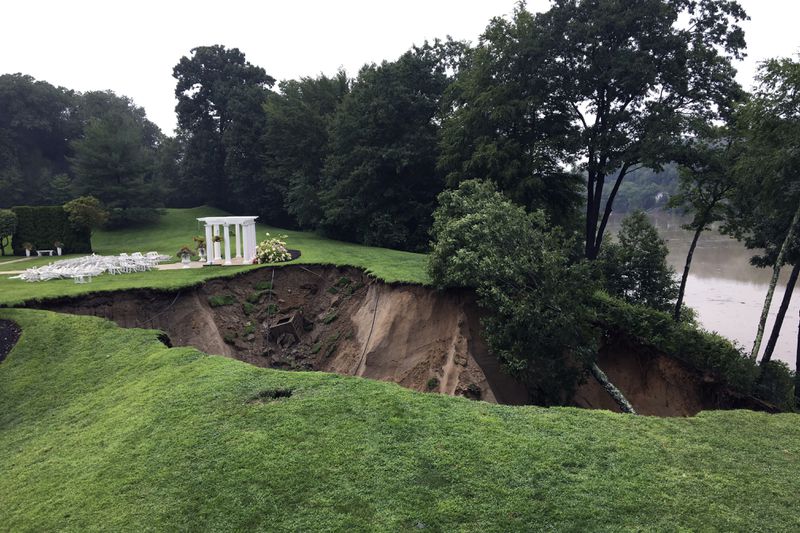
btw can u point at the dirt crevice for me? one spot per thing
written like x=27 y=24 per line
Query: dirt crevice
x=341 y=320
x=9 y=335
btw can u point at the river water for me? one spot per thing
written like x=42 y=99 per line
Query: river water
x=725 y=290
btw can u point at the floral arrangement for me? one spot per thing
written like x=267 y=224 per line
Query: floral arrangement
x=58 y=244
x=272 y=250
x=28 y=246
x=200 y=242
x=185 y=250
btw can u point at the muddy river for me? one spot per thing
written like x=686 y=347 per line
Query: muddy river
x=725 y=290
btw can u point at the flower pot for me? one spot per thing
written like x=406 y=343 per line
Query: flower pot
x=27 y=253
x=58 y=250
x=186 y=259
x=202 y=253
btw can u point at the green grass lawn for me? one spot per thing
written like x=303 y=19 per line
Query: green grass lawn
x=103 y=428
x=176 y=228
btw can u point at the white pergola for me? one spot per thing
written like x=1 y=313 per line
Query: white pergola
x=245 y=233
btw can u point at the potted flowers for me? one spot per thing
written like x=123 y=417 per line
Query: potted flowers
x=200 y=243
x=28 y=247
x=58 y=245
x=185 y=253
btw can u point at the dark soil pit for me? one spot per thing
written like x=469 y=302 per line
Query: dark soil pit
x=9 y=335
x=271 y=395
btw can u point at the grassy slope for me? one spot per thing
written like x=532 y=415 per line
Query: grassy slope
x=114 y=431
x=176 y=228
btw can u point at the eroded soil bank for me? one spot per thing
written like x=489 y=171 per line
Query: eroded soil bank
x=340 y=320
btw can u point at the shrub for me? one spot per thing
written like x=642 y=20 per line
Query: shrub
x=538 y=321
x=432 y=383
x=635 y=268
x=8 y=224
x=42 y=226
x=263 y=286
x=248 y=308
x=272 y=250
x=86 y=213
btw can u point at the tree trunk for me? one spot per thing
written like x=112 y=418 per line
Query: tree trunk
x=776 y=329
x=614 y=392
x=776 y=270
x=797 y=369
x=686 y=268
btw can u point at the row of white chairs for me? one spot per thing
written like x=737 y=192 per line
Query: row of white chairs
x=83 y=269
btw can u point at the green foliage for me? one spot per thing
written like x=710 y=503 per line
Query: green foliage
x=42 y=226
x=86 y=213
x=330 y=316
x=295 y=139
x=538 y=321
x=380 y=172
x=604 y=86
x=776 y=384
x=8 y=224
x=263 y=285
x=248 y=308
x=248 y=329
x=220 y=97
x=272 y=309
x=36 y=124
x=219 y=300
x=402 y=458
x=113 y=163
x=254 y=297
x=685 y=341
x=768 y=167
x=432 y=384
x=636 y=268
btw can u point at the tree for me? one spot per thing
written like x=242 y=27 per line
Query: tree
x=538 y=320
x=8 y=223
x=35 y=129
x=220 y=95
x=765 y=212
x=498 y=126
x=380 y=171
x=706 y=181
x=635 y=268
x=113 y=163
x=294 y=143
x=86 y=212
x=609 y=86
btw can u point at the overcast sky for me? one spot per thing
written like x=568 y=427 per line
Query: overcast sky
x=131 y=47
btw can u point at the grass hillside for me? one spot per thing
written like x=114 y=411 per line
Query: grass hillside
x=114 y=431
x=176 y=228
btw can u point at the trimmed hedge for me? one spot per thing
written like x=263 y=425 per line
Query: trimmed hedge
x=42 y=226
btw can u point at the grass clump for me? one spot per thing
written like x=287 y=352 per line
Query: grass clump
x=272 y=309
x=253 y=297
x=221 y=300
x=263 y=285
x=248 y=308
x=432 y=384
x=249 y=328
x=330 y=316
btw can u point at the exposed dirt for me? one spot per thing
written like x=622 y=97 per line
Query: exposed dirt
x=340 y=320
x=657 y=384
x=9 y=335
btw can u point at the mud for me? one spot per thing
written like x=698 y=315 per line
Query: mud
x=341 y=320
x=9 y=335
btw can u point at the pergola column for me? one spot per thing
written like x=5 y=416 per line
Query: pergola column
x=217 y=256
x=238 y=242
x=227 y=237
x=209 y=243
